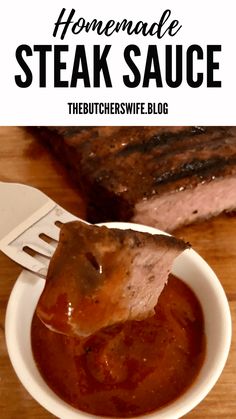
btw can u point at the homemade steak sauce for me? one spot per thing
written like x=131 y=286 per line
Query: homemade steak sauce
x=128 y=369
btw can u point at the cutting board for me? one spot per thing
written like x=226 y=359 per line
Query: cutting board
x=24 y=160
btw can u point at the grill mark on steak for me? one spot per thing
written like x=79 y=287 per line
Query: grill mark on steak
x=206 y=146
x=164 y=139
x=168 y=141
x=202 y=168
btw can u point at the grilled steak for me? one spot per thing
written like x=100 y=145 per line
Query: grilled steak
x=100 y=276
x=161 y=176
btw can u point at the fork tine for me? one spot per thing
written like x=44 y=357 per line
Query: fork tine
x=52 y=231
x=42 y=247
x=27 y=261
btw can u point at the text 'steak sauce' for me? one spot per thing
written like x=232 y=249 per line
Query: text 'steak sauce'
x=128 y=369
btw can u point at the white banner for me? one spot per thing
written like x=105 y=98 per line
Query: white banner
x=117 y=63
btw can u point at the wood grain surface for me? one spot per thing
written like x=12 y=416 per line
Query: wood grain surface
x=23 y=159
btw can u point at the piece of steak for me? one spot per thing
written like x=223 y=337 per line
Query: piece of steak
x=100 y=276
x=160 y=176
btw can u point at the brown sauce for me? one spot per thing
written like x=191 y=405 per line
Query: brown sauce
x=129 y=369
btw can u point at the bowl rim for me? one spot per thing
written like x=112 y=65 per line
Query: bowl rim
x=51 y=402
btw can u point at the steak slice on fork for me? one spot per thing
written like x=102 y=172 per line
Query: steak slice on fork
x=100 y=276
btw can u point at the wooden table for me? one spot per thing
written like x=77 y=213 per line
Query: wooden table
x=24 y=160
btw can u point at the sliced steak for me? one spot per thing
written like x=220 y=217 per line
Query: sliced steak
x=161 y=176
x=99 y=277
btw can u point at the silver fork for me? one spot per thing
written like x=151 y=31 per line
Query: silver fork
x=26 y=216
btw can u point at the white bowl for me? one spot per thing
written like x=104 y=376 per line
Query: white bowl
x=191 y=268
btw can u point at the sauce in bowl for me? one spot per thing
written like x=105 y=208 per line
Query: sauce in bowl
x=128 y=369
